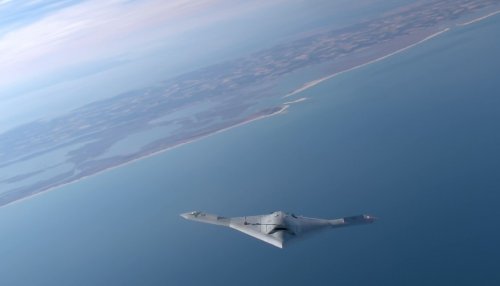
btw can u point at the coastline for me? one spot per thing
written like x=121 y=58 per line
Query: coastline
x=282 y=110
x=320 y=80
x=295 y=101
x=315 y=82
x=479 y=19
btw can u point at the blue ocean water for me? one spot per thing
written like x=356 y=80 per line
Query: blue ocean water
x=413 y=139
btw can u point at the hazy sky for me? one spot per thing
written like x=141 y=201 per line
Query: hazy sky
x=46 y=44
x=39 y=38
x=58 y=55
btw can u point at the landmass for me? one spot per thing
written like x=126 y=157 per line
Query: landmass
x=191 y=106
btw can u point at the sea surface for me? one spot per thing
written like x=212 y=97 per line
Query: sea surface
x=413 y=139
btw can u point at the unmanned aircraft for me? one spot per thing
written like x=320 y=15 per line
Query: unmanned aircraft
x=278 y=227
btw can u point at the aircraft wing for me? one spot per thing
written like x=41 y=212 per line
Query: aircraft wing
x=206 y=218
x=271 y=239
x=255 y=226
x=304 y=225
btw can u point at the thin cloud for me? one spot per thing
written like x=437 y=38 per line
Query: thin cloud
x=95 y=30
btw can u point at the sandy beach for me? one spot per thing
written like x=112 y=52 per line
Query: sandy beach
x=295 y=101
x=479 y=19
x=281 y=110
x=320 y=80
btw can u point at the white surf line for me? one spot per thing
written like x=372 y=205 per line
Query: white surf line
x=320 y=80
x=56 y=186
x=295 y=101
x=479 y=19
x=281 y=111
